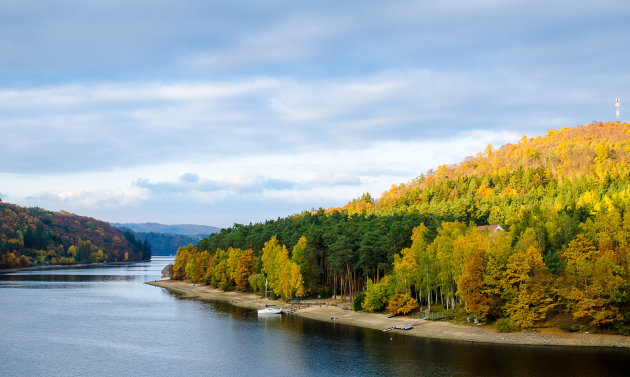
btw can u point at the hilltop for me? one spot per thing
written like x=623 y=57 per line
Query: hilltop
x=598 y=151
x=34 y=236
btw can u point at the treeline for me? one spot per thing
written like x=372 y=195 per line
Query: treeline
x=499 y=275
x=239 y=269
x=33 y=236
x=561 y=199
x=342 y=252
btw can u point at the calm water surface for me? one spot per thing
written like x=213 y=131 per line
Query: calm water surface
x=105 y=321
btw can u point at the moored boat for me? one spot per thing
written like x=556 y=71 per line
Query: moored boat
x=270 y=310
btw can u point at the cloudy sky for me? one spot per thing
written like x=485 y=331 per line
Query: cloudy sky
x=215 y=112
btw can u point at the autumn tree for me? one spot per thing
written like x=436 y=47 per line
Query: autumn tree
x=202 y=264
x=594 y=283
x=402 y=303
x=270 y=265
x=244 y=269
x=471 y=286
x=528 y=288
x=181 y=260
x=219 y=273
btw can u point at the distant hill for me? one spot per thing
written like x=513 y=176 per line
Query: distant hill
x=34 y=236
x=182 y=229
x=166 y=239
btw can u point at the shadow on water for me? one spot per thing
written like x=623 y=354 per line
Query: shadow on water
x=223 y=308
x=399 y=354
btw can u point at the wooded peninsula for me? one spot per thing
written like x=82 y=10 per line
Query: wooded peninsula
x=37 y=237
x=534 y=234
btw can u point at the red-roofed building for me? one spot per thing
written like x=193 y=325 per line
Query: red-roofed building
x=490 y=228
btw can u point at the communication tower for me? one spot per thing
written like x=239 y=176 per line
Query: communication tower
x=617 y=106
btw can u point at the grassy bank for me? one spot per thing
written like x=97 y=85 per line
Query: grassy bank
x=324 y=310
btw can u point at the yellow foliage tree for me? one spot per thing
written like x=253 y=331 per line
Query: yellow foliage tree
x=232 y=262
x=594 y=282
x=402 y=303
x=269 y=258
x=471 y=288
x=528 y=288
x=244 y=269
x=297 y=282
x=201 y=266
x=282 y=284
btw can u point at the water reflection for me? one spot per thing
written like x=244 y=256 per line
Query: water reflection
x=65 y=278
x=357 y=351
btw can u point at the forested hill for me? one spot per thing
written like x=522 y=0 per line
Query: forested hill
x=34 y=236
x=561 y=256
x=597 y=153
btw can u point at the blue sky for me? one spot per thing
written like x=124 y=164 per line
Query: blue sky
x=216 y=112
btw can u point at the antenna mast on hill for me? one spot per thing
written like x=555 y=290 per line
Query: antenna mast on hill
x=617 y=106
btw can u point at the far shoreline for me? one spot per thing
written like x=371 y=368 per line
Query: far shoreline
x=425 y=329
x=50 y=267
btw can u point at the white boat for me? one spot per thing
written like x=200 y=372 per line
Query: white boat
x=270 y=310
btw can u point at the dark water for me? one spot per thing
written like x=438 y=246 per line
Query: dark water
x=105 y=321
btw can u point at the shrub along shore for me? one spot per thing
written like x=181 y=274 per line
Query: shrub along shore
x=324 y=310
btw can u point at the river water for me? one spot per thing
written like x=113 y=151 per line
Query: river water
x=106 y=322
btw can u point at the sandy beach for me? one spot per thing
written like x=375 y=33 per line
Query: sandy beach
x=324 y=310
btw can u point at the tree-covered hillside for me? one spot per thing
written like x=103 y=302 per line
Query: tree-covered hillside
x=593 y=155
x=33 y=236
x=561 y=256
x=166 y=243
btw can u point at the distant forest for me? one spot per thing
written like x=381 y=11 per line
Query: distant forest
x=181 y=229
x=166 y=239
x=166 y=244
x=560 y=258
x=34 y=236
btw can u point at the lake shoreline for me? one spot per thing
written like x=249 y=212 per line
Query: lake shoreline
x=46 y=267
x=323 y=310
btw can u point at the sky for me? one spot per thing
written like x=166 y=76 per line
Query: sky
x=221 y=112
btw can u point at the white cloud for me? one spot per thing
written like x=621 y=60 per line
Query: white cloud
x=333 y=179
x=90 y=199
x=307 y=179
x=230 y=102
x=76 y=128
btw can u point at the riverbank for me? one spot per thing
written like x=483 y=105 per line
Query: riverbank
x=324 y=310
